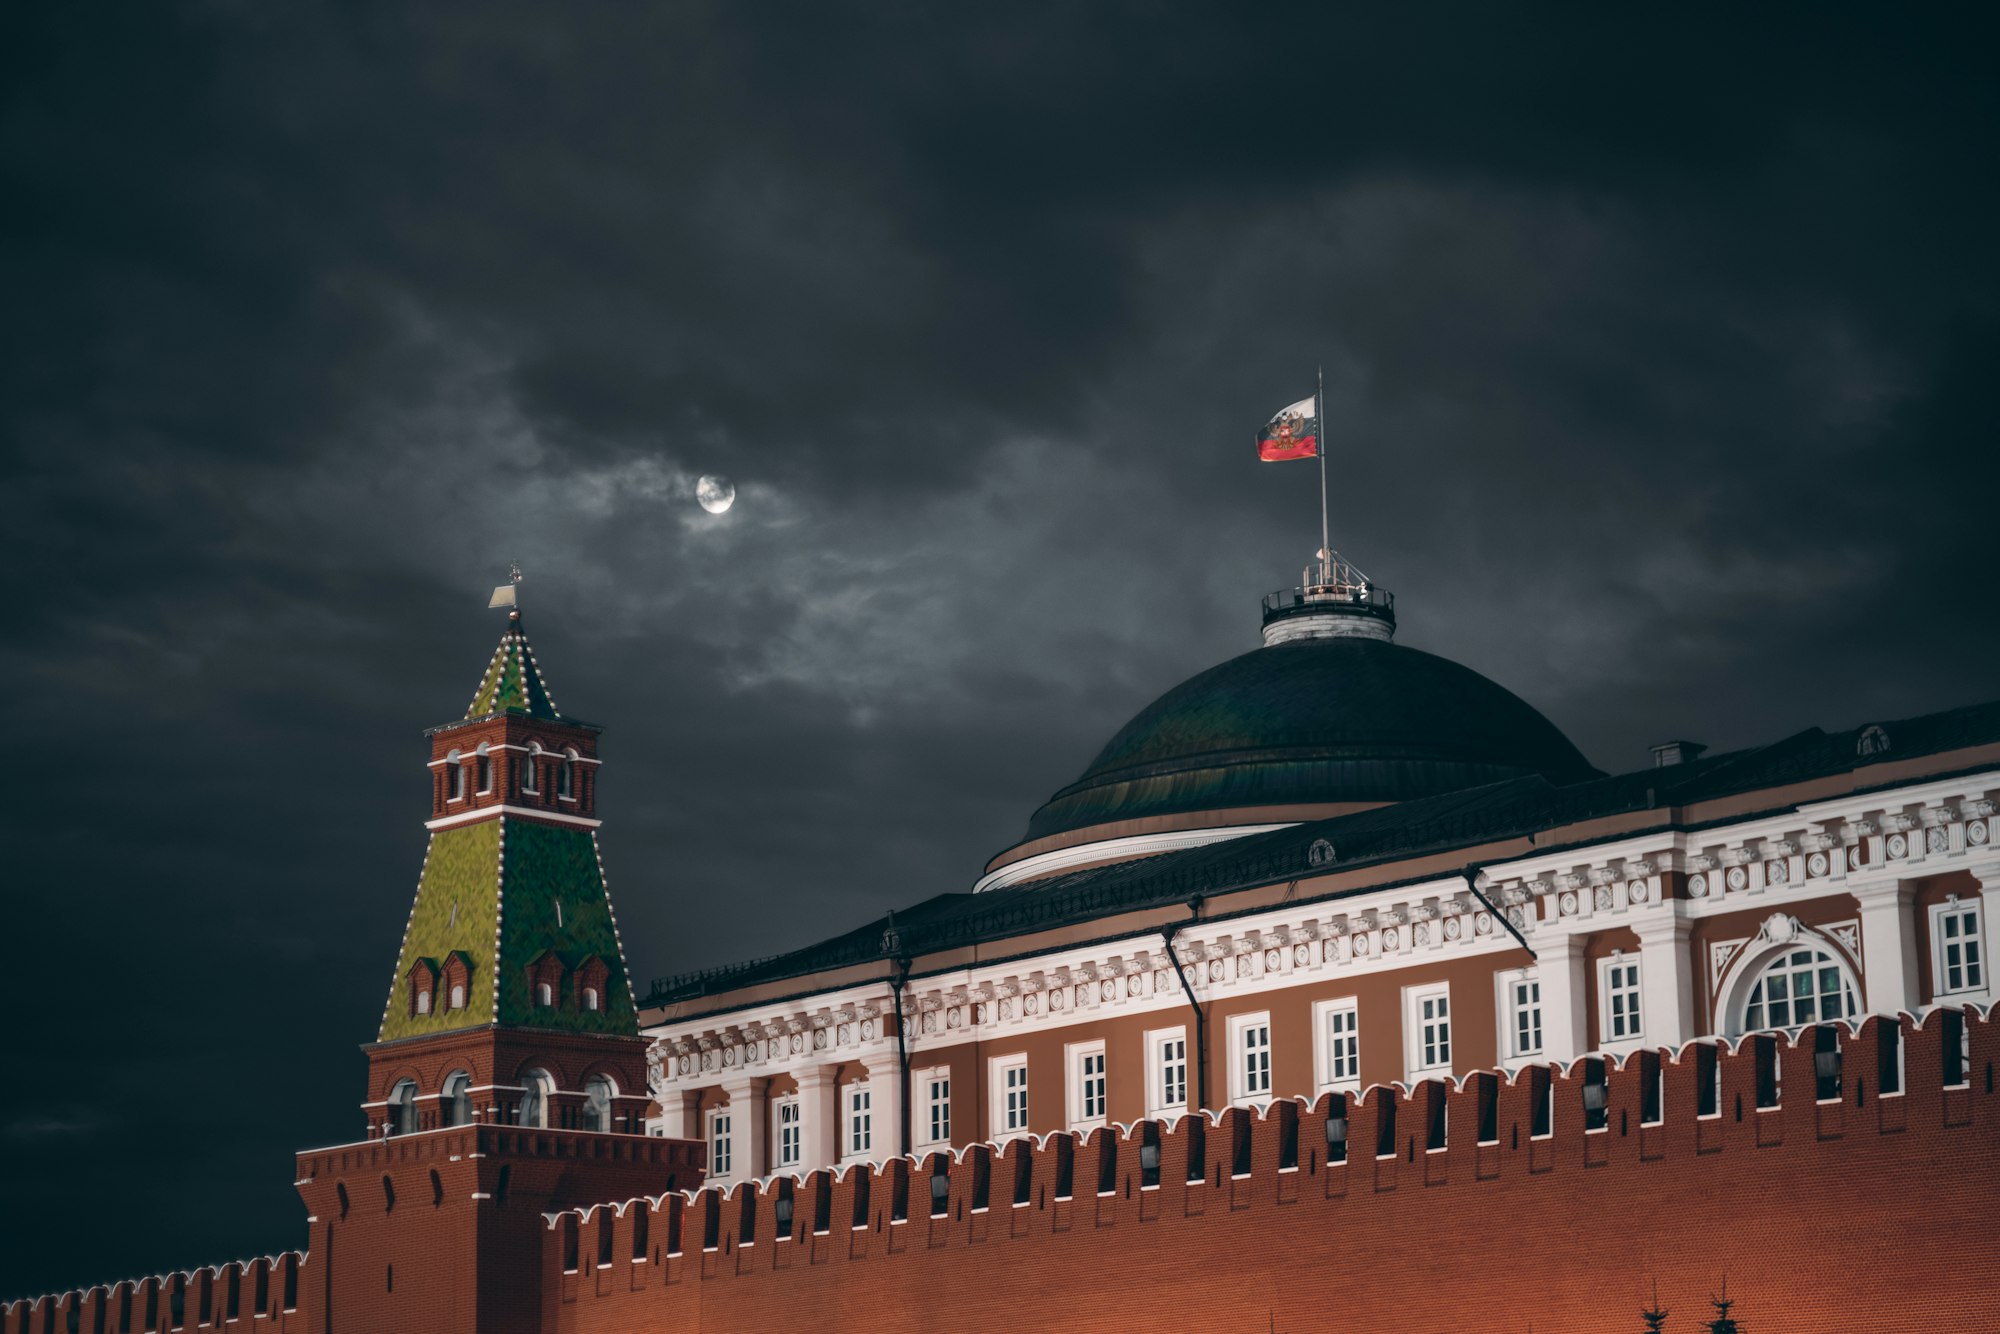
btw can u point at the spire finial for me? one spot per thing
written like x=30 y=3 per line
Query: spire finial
x=506 y=596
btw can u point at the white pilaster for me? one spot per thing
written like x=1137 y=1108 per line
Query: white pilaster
x=1888 y=946
x=677 y=1119
x=749 y=1125
x=1666 y=978
x=819 y=1117
x=1559 y=963
x=886 y=1093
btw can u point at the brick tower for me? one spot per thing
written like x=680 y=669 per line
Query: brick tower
x=508 y=1076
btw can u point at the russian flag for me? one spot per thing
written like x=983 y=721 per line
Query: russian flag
x=1292 y=434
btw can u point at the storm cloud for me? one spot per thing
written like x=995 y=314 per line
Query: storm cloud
x=1657 y=352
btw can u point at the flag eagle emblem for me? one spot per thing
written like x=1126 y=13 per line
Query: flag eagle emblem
x=1292 y=434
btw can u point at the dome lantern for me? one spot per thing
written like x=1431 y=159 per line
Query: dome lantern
x=1333 y=600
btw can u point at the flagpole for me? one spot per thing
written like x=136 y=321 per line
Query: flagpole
x=1319 y=447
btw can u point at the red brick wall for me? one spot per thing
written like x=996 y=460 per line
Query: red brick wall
x=1863 y=1213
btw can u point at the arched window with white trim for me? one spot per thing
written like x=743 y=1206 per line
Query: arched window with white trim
x=566 y=777
x=403 y=1108
x=455 y=1108
x=597 y=1103
x=536 y=1086
x=1799 y=985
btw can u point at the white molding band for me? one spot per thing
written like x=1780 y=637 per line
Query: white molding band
x=528 y=812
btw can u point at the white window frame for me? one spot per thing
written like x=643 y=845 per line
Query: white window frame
x=1087 y=1064
x=1510 y=1007
x=1158 y=1065
x=720 y=1133
x=1608 y=1012
x=788 y=1133
x=1337 y=1071
x=1243 y=1091
x=933 y=1105
x=1428 y=1039
x=526 y=772
x=1959 y=909
x=484 y=758
x=999 y=1070
x=857 y=1122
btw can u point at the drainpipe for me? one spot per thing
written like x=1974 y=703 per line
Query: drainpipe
x=892 y=945
x=1200 y=1014
x=1471 y=875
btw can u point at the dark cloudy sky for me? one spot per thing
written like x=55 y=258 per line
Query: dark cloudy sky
x=1658 y=357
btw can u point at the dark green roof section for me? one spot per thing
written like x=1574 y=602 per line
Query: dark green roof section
x=458 y=901
x=1426 y=826
x=553 y=898
x=498 y=894
x=513 y=682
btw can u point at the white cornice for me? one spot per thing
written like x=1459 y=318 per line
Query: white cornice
x=1116 y=849
x=528 y=812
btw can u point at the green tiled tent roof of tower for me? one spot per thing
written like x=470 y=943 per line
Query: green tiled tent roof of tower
x=512 y=682
x=457 y=899
x=547 y=866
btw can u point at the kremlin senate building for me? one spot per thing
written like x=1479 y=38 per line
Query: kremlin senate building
x=1340 y=992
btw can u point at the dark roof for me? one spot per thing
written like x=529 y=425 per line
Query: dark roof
x=1425 y=826
x=1330 y=720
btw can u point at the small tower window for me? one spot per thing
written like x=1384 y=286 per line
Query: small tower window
x=455 y=765
x=597 y=1104
x=403 y=1108
x=485 y=765
x=457 y=975
x=534 y=1110
x=528 y=763
x=455 y=1109
x=566 y=779
x=424 y=1001
x=545 y=995
x=590 y=998
x=423 y=982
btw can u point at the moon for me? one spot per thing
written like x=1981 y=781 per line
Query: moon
x=716 y=494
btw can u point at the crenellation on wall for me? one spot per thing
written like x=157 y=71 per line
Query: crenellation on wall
x=1402 y=1143
x=263 y=1290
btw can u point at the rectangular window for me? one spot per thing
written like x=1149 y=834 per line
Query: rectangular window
x=791 y=1140
x=1768 y=1089
x=1250 y=1039
x=458 y=782
x=1167 y=1070
x=1956 y=948
x=1428 y=1018
x=1087 y=1084
x=860 y=1120
x=1620 y=978
x=485 y=774
x=935 y=1086
x=1010 y=1094
x=1543 y=1090
x=1707 y=1080
x=1524 y=1011
x=720 y=1148
x=1340 y=1044
x=1652 y=1088
x=1955 y=1035
x=1889 y=1060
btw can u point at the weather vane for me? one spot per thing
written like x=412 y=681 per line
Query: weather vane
x=504 y=596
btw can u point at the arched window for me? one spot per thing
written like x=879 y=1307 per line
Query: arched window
x=458 y=995
x=485 y=766
x=424 y=1001
x=456 y=1107
x=590 y=998
x=1798 y=986
x=455 y=765
x=566 y=779
x=597 y=1103
x=545 y=995
x=535 y=1098
x=529 y=781
x=403 y=1108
